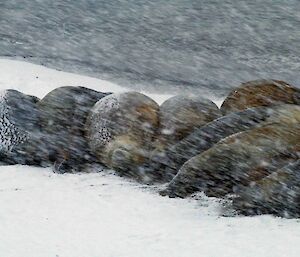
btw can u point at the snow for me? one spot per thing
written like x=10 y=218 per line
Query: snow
x=101 y=215
x=10 y=135
x=38 y=80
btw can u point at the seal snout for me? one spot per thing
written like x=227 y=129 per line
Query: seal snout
x=120 y=157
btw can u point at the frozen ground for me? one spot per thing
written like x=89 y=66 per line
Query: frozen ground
x=101 y=215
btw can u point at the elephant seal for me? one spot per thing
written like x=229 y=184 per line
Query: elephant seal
x=277 y=194
x=120 y=130
x=260 y=93
x=19 y=127
x=229 y=163
x=63 y=115
x=165 y=164
x=180 y=115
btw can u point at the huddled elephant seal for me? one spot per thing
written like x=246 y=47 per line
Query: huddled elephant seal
x=165 y=164
x=181 y=114
x=63 y=115
x=19 y=127
x=229 y=163
x=278 y=194
x=120 y=131
x=260 y=93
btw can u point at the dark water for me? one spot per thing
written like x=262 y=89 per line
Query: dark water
x=161 y=44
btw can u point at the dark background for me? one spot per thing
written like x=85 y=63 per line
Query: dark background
x=162 y=45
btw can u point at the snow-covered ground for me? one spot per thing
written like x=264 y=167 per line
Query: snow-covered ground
x=100 y=215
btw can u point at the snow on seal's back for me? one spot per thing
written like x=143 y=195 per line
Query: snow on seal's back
x=10 y=135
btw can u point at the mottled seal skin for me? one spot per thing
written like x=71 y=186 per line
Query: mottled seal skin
x=120 y=130
x=229 y=163
x=19 y=127
x=63 y=115
x=277 y=194
x=165 y=165
x=180 y=115
x=260 y=93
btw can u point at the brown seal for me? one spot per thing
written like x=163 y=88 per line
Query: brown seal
x=260 y=93
x=278 y=193
x=120 y=130
x=181 y=114
x=63 y=115
x=232 y=161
